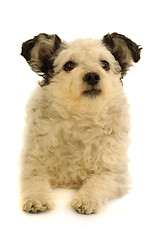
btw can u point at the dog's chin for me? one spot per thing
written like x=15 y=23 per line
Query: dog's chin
x=92 y=93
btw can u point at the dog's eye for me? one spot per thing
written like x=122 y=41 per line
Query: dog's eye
x=69 y=66
x=105 y=65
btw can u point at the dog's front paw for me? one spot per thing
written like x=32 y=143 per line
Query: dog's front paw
x=84 y=205
x=35 y=206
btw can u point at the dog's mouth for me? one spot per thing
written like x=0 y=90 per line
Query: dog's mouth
x=93 y=92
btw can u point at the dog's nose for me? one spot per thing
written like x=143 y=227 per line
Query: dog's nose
x=91 y=78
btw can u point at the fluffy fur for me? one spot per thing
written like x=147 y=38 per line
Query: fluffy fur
x=77 y=132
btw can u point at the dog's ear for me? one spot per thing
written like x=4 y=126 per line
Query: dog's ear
x=40 y=52
x=123 y=49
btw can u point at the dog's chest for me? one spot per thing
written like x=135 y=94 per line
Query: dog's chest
x=76 y=149
x=78 y=133
x=73 y=142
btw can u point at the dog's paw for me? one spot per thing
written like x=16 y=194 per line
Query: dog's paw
x=35 y=206
x=84 y=205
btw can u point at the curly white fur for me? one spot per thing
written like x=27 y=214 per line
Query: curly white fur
x=73 y=140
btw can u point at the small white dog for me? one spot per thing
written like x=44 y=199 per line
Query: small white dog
x=78 y=122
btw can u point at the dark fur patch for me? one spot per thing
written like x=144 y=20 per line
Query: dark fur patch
x=40 y=53
x=123 y=49
x=27 y=47
x=57 y=42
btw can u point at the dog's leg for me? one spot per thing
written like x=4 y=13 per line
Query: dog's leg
x=96 y=190
x=35 y=195
x=35 y=187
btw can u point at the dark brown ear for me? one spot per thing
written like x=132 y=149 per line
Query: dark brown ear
x=40 y=53
x=123 y=49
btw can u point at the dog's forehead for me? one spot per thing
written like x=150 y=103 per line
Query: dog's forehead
x=85 y=44
x=91 y=47
x=83 y=49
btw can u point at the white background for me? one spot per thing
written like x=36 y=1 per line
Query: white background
x=136 y=216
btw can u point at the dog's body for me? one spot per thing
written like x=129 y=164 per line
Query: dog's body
x=78 y=123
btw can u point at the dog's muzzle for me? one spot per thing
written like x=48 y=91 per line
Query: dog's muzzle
x=92 y=79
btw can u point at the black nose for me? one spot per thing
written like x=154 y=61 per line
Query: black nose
x=91 y=78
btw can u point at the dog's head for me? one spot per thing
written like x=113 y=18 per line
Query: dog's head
x=84 y=71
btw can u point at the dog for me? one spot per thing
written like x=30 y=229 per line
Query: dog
x=77 y=121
